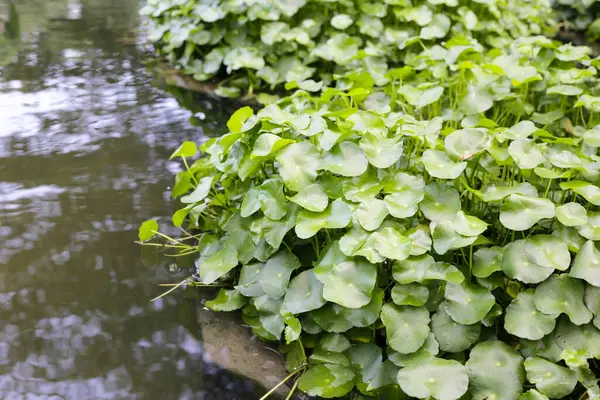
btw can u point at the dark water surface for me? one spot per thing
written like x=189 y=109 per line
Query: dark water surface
x=84 y=146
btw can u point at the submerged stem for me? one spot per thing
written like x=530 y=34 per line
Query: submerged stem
x=170 y=290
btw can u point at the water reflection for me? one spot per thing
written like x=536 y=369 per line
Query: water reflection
x=84 y=143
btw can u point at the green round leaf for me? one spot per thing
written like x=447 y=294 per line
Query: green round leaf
x=550 y=379
x=463 y=144
x=200 y=192
x=520 y=213
x=371 y=213
x=293 y=330
x=227 y=300
x=562 y=294
x=437 y=378
x=335 y=216
x=275 y=276
x=588 y=191
x=441 y=202
x=497 y=192
x=350 y=283
x=403 y=204
x=495 y=371
x=389 y=243
x=362 y=188
x=218 y=261
x=305 y=293
x=476 y=100
x=312 y=198
x=439 y=165
x=571 y=214
x=521 y=130
x=576 y=338
x=248 y=282
x=406 y=327
x=517 y=265
x=420 y=98
x=298 y=165
x=341 y=21
x=424 y=268
x=346 y=159
x=147 y=230
x=566 y=90
x=426 y=352
x=381 y=151
x=563 y=156
x=467 y=225
x=487 y=260
x=548 y=251
x=525 y=153
x=411 y=294
x=446 y=238
x=268 y=144
x=467 y=303
x=327 y=380
x=186 y=150
x=452 y=336
x=587 y=264
x=591 y=230
x=525 y=321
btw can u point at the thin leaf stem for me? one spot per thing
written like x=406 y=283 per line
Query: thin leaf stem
x=270 y=392
x=170 y=290
x=189 y=171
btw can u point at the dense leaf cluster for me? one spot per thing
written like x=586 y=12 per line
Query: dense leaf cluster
x=430 y=238
x=267 y=43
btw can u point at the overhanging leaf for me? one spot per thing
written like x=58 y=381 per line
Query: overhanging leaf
x=327 y=380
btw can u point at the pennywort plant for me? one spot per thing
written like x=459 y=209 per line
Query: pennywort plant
x=249 y=44
x=432 y=238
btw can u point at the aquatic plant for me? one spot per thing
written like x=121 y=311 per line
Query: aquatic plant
x=430 y=238
x=268 y=43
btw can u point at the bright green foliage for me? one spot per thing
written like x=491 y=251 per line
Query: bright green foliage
x=303 y=44
x=341 y=223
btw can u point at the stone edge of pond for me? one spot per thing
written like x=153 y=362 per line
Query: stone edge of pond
x=232 y=346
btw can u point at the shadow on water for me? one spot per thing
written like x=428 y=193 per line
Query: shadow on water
x=84 y=146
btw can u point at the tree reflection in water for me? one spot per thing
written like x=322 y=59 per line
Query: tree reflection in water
x=84 y=143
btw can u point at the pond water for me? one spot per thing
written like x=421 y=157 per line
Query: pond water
x=84 y=146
